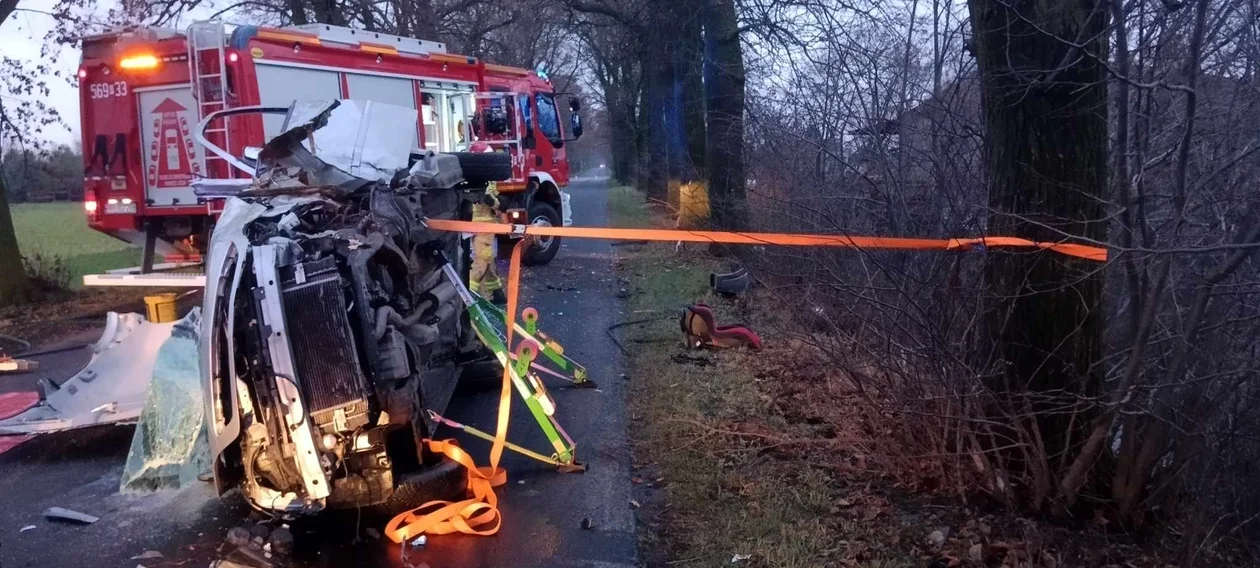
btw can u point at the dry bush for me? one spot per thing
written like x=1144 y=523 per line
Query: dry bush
x=48 y=274
x=875 y=130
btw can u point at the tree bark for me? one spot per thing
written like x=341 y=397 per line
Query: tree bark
x=724 y=90
x=657 y=73
x=621 y=115
x=1045 y=109
x=691 y=63
x=297 y=12
x=424 y=20
x=642 y=135
x=14 y=287
x=328 y=12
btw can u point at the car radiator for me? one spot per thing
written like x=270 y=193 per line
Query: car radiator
x=323 y=344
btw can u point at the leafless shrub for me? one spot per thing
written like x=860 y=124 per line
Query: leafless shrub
x=870 y=125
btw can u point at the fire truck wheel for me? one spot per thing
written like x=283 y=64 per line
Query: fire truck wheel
x=545 y=248
x=483 y=167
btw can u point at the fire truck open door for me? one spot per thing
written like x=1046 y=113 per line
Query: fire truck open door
x=172 y=160
x=500 y=124
x=446 y=111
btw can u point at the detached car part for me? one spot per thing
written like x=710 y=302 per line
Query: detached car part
x=110 y=389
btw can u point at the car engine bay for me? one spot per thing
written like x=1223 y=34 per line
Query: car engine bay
x=332 y=321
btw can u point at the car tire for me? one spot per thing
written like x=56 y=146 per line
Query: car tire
x=484 y=167
x=447 y=480
x=543 y=250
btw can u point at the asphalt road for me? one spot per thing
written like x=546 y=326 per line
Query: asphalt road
x=543 y=511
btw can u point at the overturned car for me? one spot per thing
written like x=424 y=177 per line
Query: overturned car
x=333 y=320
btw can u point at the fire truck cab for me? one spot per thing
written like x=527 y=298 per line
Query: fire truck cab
x=144 y=90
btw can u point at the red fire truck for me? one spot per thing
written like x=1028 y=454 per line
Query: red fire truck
x=144 y=90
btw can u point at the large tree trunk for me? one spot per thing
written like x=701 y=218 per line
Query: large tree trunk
x=1045 y=108
x=424 y=20
x=297 y=12
x=691 y=73
x=656 y=71
x=621 y=116
x=14 y=287
x=642 y=135
x=328 y=12
x=724 y=87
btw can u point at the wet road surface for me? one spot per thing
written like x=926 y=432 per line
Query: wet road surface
x=543 y=511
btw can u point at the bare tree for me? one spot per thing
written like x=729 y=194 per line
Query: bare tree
x=1045 y=102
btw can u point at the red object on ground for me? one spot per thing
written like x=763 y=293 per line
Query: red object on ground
x=703 y=331
x=12 y=403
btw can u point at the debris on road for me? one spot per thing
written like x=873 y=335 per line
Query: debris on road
x=147 y=555
x=702 y=330
x=27 y=528
x=60 y=514
x=740 y=558
x=110 y=389
x=587 y=524
x=255 y=545
x=730 y=283
x=281 y=541
x=11 y=365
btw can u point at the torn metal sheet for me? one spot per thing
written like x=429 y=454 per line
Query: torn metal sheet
x=169 y=448
x=366 y=139
x=110 y=389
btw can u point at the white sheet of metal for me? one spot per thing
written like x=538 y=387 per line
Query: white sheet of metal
x=365 y=139
x=156 y=279
x=388 y=90
x=110 y=389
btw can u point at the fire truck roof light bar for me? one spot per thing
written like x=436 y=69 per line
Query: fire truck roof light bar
x=140 y=61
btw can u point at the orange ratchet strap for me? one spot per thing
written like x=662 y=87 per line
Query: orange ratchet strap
x=479 y=514
x=672 y=235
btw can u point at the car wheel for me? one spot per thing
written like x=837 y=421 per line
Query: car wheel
x=444 y=481
x=483 y=167
x=542 y=214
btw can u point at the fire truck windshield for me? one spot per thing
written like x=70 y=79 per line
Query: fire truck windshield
x=548 y=118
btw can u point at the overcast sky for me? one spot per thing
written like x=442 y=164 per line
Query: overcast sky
x=20 y=38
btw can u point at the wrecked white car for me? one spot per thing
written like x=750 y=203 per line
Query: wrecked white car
x=331 y=325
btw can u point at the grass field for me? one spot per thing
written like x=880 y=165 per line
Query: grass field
x=60 y=230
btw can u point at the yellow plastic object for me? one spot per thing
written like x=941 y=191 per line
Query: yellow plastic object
x=693 y=204
x=161 y=307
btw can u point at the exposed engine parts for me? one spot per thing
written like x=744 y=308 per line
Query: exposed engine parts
x=334 y=326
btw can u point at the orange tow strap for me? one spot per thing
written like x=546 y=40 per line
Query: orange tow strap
x=671 y=235
x=478 y=514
